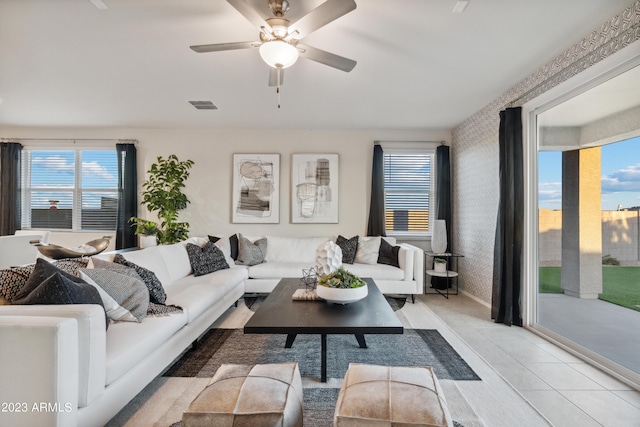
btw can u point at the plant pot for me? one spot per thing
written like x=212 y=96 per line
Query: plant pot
x=147 y=241
x=439 y=267
x=342 y=295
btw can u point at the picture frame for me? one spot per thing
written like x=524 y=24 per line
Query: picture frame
x=314 y=188
x=255 y=196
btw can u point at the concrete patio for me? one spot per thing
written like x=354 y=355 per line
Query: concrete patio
x=608 y=329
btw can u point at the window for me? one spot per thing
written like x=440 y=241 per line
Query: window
x=69 y=189
x=408 y=190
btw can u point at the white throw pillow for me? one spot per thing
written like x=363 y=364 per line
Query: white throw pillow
x=368 y=248
x=225 y=246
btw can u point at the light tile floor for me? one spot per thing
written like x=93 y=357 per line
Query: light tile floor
x=565 y=389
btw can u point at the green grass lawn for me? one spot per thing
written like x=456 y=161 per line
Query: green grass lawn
x=621 y=285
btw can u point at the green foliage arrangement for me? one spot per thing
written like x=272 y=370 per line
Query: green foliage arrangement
x=342 y=279
x=609 y=260
x=163 y=193
x=439 y=261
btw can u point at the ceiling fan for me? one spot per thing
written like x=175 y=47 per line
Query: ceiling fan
x=279 y=43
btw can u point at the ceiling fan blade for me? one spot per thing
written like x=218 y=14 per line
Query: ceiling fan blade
x=249 y=13
x=273 y=77
x=326 y=58
x=327 y=12
x=204 y=48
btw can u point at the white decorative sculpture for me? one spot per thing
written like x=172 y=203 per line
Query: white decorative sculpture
x=328 y=258
x=439 y=236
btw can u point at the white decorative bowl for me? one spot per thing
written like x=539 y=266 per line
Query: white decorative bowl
x=342 y=295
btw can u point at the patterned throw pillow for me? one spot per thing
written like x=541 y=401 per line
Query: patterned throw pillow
x=206 y=259
x=13 y=279
x=156 y=291
x=251 y=253
x=72 y=265
x=349 y=248
x=388 y=254
x=129 y=293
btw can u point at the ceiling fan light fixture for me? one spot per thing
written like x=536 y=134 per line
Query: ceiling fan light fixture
x=278 y=54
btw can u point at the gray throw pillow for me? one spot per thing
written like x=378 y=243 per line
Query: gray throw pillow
x=206 y=259
x=130 y=293
x=42 y=270
x=349 y=248
x=251 y=253
x=156 y=291
x=71 y=265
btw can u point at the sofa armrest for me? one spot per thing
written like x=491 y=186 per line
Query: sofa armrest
x=405 y=260
x=39 y=360
x=418 y=263
x=91 y=347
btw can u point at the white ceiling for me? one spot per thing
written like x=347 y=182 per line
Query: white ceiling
x=67 y=63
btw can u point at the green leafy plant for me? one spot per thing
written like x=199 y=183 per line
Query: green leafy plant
x=609 y=260
x=341 y=278
x=163 y=193
x=439 y=261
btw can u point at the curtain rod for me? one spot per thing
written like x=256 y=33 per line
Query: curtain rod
x=72 y=140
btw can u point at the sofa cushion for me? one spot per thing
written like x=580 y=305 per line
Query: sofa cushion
x=278 y=270
x=129 y=292
x=251 y=253
x=293 y=249
x=368 y=249
x=196 y=294
x=206 y=259
x=130 y=343
x=176 y=259
x=151 y=259
x=156 y=291
x=388 y=254
x=349 y=248
x=377 y=271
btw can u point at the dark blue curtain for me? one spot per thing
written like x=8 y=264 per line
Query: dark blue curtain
x=376 y=225
x=128 y=196
x=10 y=208
x=443 y=189
x=507 y=263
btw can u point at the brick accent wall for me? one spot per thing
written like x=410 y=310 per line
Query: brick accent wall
x=475 y=147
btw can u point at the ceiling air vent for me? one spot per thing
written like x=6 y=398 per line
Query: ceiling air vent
x=203 y=105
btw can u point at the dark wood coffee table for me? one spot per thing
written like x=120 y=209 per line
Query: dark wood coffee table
x=279 y=314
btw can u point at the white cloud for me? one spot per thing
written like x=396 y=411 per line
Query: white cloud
x=96 y=170
x=627 y=179
x=57 y=163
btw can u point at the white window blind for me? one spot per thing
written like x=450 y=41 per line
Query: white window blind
x=69 y=189
x=408 y=189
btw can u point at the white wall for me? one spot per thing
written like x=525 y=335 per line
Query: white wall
x=209 y=186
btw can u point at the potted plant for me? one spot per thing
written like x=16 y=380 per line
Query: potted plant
x=341 y=287
x=440 y=265
x=162 y=192
x=147 y=232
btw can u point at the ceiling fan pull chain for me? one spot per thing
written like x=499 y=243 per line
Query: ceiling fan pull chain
x=278 y=86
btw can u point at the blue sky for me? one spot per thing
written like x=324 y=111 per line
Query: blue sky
x=620 y=176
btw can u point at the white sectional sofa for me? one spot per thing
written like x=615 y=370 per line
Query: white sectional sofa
x=62 y=368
